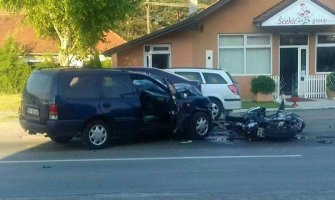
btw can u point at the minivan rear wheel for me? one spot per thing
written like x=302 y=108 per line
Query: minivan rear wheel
x=96 y=135
x=217 y=108
x=199 y=126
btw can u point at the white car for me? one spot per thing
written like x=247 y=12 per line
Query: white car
x=217 y=85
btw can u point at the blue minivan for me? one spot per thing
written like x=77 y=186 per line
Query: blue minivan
x=97 y=105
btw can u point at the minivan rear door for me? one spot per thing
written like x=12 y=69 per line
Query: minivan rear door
x=37 y=95
x=79 y=96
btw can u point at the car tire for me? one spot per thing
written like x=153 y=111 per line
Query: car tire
x=61 y=139
x=96 y=135
x=217 y=108
x=200 y=126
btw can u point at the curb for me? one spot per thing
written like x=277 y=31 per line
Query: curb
x=297 y=108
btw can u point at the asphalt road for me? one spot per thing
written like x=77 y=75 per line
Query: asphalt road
x=32 y=167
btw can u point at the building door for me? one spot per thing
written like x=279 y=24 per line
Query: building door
x=158 y=56
x=293 y=64
x=293 y=70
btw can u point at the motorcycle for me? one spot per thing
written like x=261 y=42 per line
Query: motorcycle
x=256 y=124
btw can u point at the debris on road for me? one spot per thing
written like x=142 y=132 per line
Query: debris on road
x=301 y=137
x=186 y=142
x=325 y=142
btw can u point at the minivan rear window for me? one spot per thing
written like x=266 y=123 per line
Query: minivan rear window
x=40 y=85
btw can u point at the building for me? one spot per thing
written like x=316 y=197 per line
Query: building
x=291 y=40
x=39 y=49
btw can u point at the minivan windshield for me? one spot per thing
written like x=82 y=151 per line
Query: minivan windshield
x=40 y=85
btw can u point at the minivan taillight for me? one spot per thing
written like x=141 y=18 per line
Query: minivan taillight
x=53 y=113
x=234 y=89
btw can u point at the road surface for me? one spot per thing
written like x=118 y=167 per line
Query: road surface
x=32 y=167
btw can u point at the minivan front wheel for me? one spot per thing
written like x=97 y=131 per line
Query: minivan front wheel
x=199 y=126
x=96 y=135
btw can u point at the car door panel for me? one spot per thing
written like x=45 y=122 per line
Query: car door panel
x=120 y=103
x=155 y=101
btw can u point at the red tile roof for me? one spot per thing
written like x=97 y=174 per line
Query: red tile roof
x=14 y=26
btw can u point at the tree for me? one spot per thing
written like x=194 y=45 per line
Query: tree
x=78 y=25
x=160 y=17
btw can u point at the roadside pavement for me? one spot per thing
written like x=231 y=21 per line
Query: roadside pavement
x=313 y=104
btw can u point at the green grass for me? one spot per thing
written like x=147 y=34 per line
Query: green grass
x=251 y=104
x=10 y=102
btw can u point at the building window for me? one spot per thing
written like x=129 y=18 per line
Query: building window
x=245 y=54
x=325 y=53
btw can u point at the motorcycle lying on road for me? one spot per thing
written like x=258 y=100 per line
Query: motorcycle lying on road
x=256 y=124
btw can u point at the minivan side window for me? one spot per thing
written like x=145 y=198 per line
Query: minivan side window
x=81 y=86
x=156 y=76
x=146 y=84
x=116 y=86
x=211 y=78
x=191 y=75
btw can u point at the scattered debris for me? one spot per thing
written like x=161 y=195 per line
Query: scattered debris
x=46 y=167
x=186 y=142
x=301 y=137
x=325 y=142
x=220 y=139
x=325 y=137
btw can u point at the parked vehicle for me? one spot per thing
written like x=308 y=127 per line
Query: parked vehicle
x=97 y=105
x=255 y=123
x=217 y=85
x=161 y=75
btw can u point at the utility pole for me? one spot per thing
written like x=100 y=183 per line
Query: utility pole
x=148 y=7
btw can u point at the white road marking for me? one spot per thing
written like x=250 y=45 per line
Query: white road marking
x=146 y=159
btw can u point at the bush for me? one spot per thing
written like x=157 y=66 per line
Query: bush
x=14 y=71
x=106 y=64
x=331 y=81
x=94 y=62
x=49 y=65
x=263 y=84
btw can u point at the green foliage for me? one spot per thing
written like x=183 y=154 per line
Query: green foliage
x=331 y=81
x=253 y=104
x=14 y=71
x=263 y=84
x=106 y=64
x=161 y=17
x=77 y=24
x=94 y=62
x=46 y=64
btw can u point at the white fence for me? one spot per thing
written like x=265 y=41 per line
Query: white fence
x=277 y=81
x=314 y=87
